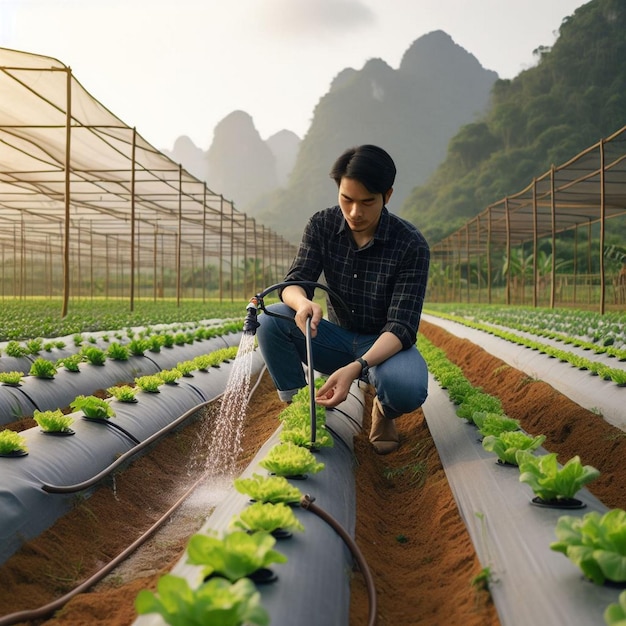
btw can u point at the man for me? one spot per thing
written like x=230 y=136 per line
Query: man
x=377 y=264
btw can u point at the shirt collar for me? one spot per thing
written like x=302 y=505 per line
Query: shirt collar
x=382 y=231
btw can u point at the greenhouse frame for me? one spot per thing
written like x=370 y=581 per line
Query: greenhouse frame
x=88 y=207
x=589 y=189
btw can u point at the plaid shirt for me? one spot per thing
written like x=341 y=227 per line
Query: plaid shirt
x=382 y=284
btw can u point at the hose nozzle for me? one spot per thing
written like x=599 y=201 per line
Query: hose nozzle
x=250 y=324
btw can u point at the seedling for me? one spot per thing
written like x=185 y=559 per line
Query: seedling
x=149 y=383
x=53 y=421
x=71 y=362
x=93 y=407
x=123 y=393
x=41 y=368
x=96 y=356
x=11 y=378
x=118 y=352
x=11 y=442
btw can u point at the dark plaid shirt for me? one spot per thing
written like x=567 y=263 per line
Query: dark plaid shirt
x=382 y=284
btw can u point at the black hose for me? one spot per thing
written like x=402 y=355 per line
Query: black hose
x=306 y=502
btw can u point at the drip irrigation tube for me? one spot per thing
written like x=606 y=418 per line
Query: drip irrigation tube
x=306 y=502
x=48 y=609
x=127 y=455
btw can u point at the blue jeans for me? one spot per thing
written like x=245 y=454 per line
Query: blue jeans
x=401 y=381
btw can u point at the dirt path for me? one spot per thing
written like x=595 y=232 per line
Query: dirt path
x=408 y=526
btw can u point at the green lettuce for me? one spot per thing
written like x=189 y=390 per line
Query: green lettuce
x=266 y=517
x=268 y=489
x=548 y=481
x=288 y=459
x=596 y=543
x=236 y=555
x=217 y=601
x=506 y=444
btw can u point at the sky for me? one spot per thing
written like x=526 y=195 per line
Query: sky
x=178 y=67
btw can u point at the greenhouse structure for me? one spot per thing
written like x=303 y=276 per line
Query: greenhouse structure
x=86 y=203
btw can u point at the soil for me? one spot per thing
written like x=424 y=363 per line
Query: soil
x=408 y=526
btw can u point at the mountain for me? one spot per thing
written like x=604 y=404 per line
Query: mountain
x=412 y=112
x=284 y=146
x=573 y=97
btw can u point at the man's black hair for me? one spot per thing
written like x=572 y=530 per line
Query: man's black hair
x=368 y=164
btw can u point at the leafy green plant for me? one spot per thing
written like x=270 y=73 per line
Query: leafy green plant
x=53 y=421
x=596 y=543
x=149 y=383
x=71 y=362
x=506 y=444
x=615 y=613
x=15 y=349
x=34 y=346
x=272 y=489
x=11 y=442
x=266 y=517
x=234 y=556
x=217 y=601
x=478 y=402
x=123 y=393
x=494 y=423
x=118 y=351
x=93 y=407
x=11 y=378
x=95 y=356
x=300 y=435
x=186 y=368
x=41 y=368
x=170 y=377
x=548 y=481
x=155 y=342
x=137 y=347
x=288 y=459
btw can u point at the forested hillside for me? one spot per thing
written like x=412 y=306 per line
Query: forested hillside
x=574 y=96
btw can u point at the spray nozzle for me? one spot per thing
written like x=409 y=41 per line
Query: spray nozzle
x=250 y=324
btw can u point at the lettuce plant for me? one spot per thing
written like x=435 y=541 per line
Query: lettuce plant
x=41 y=368
x=288 y=459
x=506 y=444
x=123 y=393
x=596 y=543
x=170 y=377
x=478 y=402
x=186 y=368
x=11 y=442
x=494 y=423
x=237 y=555
x=53 y=421
x=93 y=407
x=71 y=362
x=11 y=378
x=272 y=489
x=149 y=383
x=215 y=602
x=95 y=356
x=266 y=517
x=615 y=614
x=118 y=351
x=301 y=436
x=15 y=349
x=548 y=481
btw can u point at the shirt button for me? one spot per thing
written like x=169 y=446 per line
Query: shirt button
x=354 y=275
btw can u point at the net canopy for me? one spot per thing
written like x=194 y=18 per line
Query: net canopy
x=76 y=181
x=589 y=188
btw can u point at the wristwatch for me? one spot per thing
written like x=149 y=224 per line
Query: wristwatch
x=364 y=366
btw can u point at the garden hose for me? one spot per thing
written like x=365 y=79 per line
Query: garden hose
x=306 y=502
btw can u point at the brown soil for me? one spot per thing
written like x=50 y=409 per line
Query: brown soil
x=408 y=526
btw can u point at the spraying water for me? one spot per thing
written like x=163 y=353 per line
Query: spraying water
x=225 y=446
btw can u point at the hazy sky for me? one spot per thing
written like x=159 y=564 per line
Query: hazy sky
x=177 y=67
